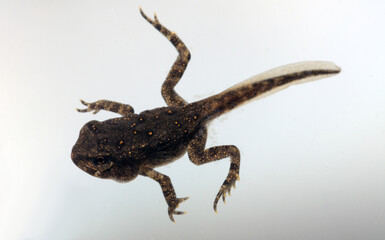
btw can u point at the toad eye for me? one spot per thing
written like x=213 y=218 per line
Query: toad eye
x=102 y=162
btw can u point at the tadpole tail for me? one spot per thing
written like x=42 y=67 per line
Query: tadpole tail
x=263 y=84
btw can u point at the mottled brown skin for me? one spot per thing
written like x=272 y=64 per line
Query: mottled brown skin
x=125 y=147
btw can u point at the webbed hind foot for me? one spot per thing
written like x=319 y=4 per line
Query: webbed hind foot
x=232 y=177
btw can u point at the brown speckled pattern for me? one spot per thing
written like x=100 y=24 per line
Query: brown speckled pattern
x=133 y=144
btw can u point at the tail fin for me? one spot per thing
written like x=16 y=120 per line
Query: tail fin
x=264 y=84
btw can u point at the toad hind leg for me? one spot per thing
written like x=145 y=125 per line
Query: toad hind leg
x=199 y=155
x=168 y=190
x=120 y=108
x=169 y=94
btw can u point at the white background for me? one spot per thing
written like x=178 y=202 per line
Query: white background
x=312 y=155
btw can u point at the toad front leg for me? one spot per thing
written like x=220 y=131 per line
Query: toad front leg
x=199 y=155
x=168 y=190
x=120 y=108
